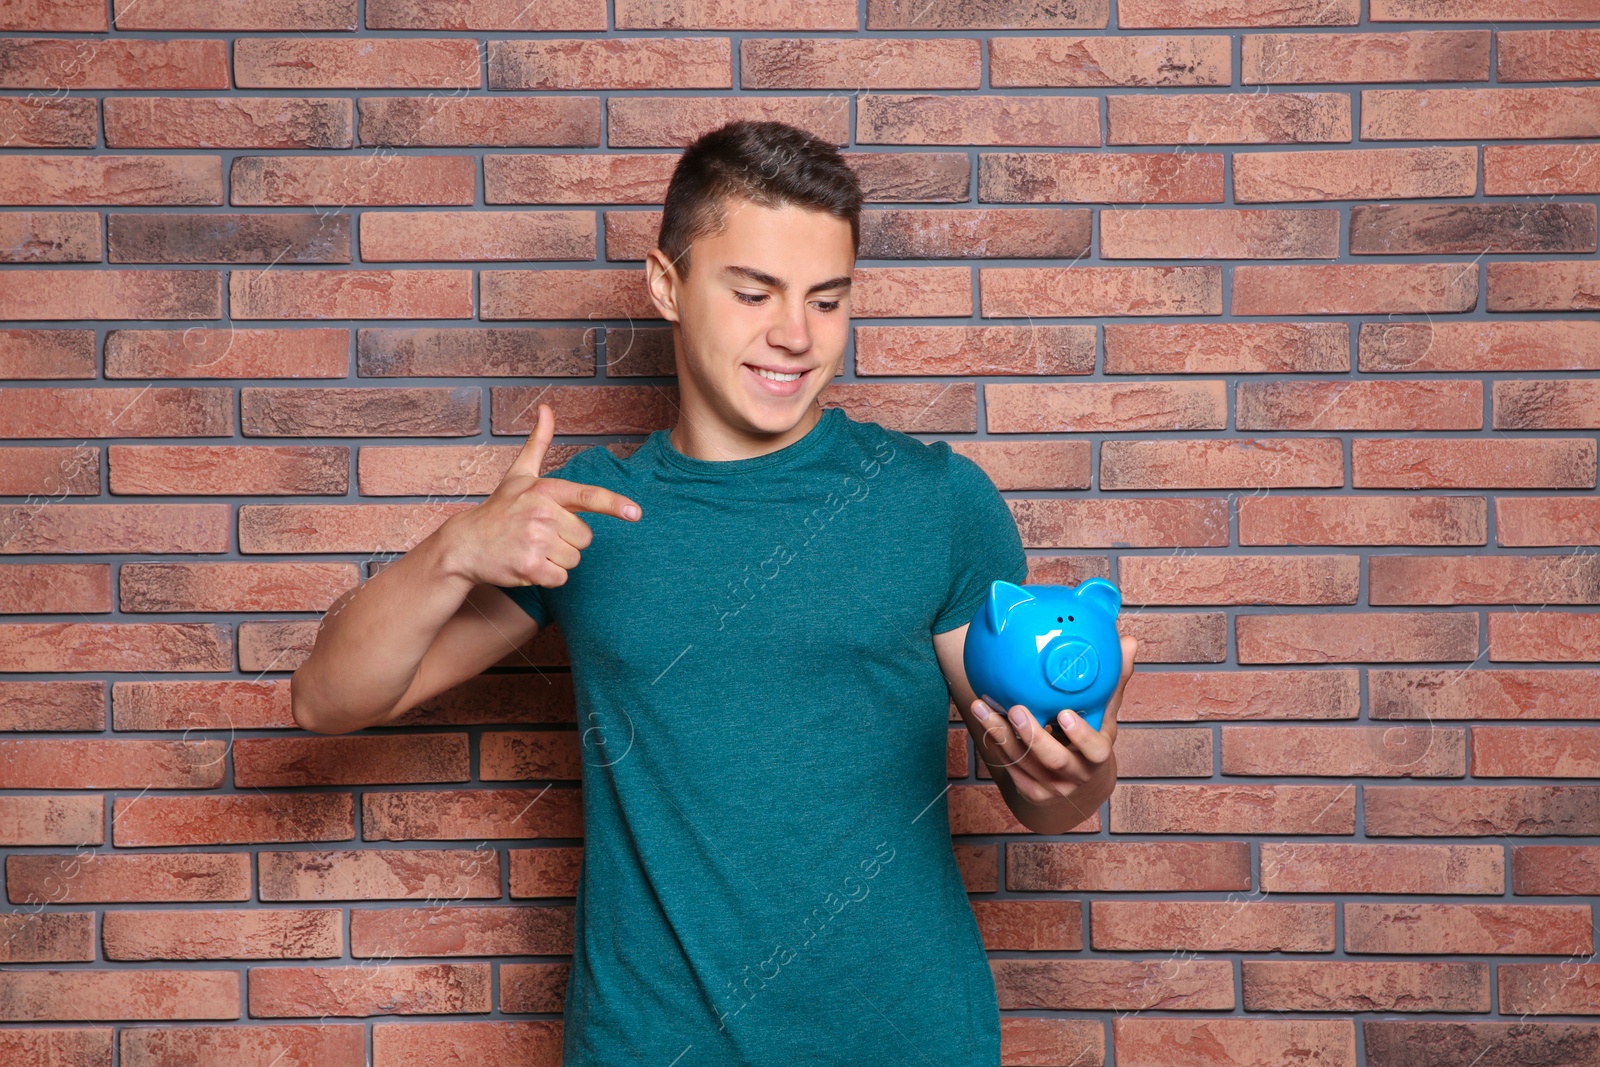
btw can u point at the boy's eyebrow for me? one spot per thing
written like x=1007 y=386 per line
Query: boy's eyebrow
x=763 y=278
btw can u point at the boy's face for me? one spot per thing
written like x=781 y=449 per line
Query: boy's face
x=772 y=290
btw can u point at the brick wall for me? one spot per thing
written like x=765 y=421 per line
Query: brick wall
x=1277 y=313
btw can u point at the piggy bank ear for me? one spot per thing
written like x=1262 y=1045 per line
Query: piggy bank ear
x=1101 y=593
x=1003 y=596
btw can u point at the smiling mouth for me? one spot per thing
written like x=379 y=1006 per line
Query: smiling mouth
x=777 y=375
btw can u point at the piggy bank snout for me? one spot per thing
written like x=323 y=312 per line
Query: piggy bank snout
x=1071 y=665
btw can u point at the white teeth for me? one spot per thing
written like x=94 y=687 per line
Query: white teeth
x=775 y=377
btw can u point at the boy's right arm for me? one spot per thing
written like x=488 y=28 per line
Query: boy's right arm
x=435 y=617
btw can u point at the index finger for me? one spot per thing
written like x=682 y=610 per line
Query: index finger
x=580 y=496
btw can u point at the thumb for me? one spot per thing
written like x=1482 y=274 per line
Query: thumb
x=531 y=458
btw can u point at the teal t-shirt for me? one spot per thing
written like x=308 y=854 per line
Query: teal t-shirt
x=768 y=875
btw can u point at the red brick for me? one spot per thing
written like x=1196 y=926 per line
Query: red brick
x=1355 y=174
x=486 y=15
x=646 y=63
x=1548 y=55
x=109 y=179
x=466 y=1044
x=116 y=647
x=1555 y=870
x=234 y=587
x=1250 y=579
x=47 y=353
x=42 y=706
x=1366 y=520
x=1549 y=988
x=229 y=122
x=1030 y=925
x=655 y=121
x=1525 y=521
x=548 y=178
x=1483 y=693
x=1552 y=285
x=65 y=16
x=78 y=996
x=414 y=122
x=1552 y=636
x=36 y=122
x=553 y=870
x=1464 y=811
x=48 y=820
x=1163 y=753
x=296 y=761
x=59 y=64
x=477 y=235
x=368 y=63
x=897 y=350
x=1482 y=1044
x=1113 y=985
x=1480 y=346
x=889 y=118
x=1147 y=808
x=1307 y=867
x=1345 y=751
x=1522 y=169
x=911 y=233
x=456 y=814
x=47 y=237
x=1211 y=1042
x=246 y=818
x=1228 y=118
x=201 y=705
x=344 y=181
x=1223 y=347
x=404 y=352
x=259 y=934
x=321 y=527
x=116 y=528
x=52 y=937
x=346 y=412
x=1504 y=463
x=41 y=588
x=392 y=989
x=1359 y=405
x=1382 y=636
x=108 y=878
x=342 y=294
x=1548 y=579
x=230 y=469
x=1342 y=58
x=235 y=15
x=1290 y=985
x=1431 y=229
x=1355 y=289
x=1535 y=752
x=1098 y=291
x=230 y=352
x=380 y=874
x=127 y=412
x=1106 y=406
x=980 y=809
x=490 y=930
x=699 y=15
x=1123 y=866
x=93 y=763
x=1277 y=463
x=1180 y=14
x=1478 y=11
x=1211 y=926
x=1099 y=177
x=273 y=1045
x=31 y=470
x=1058 y=523
x=1043 y=62
x=238 y=238
x=113 y=294
x=527 y=987
x=1207 y=696
x=1520 y=929
x=1155 y=233
x=1478 y=114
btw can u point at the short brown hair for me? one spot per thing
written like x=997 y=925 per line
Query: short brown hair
x=767 y=163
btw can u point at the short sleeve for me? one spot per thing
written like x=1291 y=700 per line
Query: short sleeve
x=529 y=598
x=984 y=542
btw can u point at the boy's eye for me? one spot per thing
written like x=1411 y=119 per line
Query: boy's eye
x=753 y=299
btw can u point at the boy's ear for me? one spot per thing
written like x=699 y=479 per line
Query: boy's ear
x=1003 y=596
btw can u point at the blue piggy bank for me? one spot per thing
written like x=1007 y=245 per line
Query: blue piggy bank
x=1047 y=647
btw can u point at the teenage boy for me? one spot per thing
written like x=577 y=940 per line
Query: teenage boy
x=765 y=614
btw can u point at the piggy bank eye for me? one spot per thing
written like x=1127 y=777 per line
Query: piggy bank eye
x=1058 y=618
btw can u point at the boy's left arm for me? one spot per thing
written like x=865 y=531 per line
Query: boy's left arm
x=1049 y=786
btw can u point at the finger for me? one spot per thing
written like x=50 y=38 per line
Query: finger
x=1031 y=750
x=579 y=496
x=1108 y=722
x=1092 y=745
x=531 y=458
x=998 y=746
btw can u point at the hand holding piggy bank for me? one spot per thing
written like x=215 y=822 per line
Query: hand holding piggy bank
x=1046 y=647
